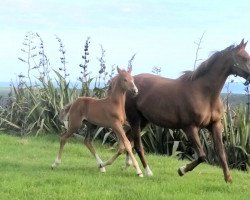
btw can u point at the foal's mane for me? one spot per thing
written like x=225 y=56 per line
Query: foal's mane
x=113 y=81
x=204 y=67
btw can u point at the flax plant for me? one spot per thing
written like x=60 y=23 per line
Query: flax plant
x=33 y=107
x=85 y=78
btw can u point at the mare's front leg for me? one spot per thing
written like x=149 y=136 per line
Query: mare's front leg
x=89 y=145
x=135 y=137
x=216 y=130
x=193 y=136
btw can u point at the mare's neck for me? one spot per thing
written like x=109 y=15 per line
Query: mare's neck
x=216 y=77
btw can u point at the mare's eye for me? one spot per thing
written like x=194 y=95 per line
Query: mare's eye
x=125 y=80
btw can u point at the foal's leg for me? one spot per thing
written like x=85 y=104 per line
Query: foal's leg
x=193 y=136
x=73 y=128
x=121 y=150
x=89 y=145
x=63 y=140
x=118 y=129
x=216 y=130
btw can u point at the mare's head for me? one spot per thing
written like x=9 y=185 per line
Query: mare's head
x=126 y=80
x=240 y=61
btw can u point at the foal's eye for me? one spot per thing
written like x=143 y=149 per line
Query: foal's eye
x=125 y=80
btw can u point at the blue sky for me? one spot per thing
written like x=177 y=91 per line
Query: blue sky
x=161 y=33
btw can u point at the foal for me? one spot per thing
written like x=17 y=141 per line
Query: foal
x=106 y=112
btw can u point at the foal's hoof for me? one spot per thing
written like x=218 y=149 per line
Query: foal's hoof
x=181 y=171
x=125 y=167
x=102 y=169
x=53 y=166
x=140 y=174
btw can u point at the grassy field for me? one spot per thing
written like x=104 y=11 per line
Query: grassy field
x=25 y=173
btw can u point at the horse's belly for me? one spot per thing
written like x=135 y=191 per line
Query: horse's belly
x=165 y=118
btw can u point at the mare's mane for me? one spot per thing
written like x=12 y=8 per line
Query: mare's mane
x=204 y=67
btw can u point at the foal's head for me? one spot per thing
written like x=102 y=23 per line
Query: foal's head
x=126 y=81
x=241 y=61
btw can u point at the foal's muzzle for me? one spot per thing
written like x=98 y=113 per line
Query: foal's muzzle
x=134 y=91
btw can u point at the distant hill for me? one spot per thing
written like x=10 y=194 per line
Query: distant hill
x=4 y=84
x=237 y=92
x=234 y=87
x=235 y=99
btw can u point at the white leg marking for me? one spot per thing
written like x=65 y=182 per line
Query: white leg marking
x=148 y=171
x=182 y=169
x=56 y=163
x=128 y=161
x=99 y=163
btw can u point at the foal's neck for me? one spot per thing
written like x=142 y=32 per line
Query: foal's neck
x=117 y=95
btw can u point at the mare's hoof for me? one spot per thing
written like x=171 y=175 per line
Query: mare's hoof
x=140 y=174
x=148 y=171
x=229 y=179
x=181 y=171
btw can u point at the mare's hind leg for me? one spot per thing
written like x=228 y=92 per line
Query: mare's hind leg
x=73 y=128
x=193 y=136
x=89 y=145
x=216 y=130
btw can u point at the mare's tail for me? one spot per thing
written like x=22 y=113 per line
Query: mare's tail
x=64 y=112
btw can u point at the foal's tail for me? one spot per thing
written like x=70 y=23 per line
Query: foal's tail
x=64 y=112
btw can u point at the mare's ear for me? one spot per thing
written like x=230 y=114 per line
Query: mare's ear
x=242 y=44
x=245 y=44
x=118 y=70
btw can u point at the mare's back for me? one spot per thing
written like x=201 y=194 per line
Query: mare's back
x=152 y=84
x=165 y=102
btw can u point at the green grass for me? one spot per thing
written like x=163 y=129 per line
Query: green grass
x=25 y=173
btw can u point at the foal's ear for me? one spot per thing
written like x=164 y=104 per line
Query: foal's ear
x=130 y=70
x=119 y=70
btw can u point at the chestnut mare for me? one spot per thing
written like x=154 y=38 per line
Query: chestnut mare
x=106 y=112
x=190 y=102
